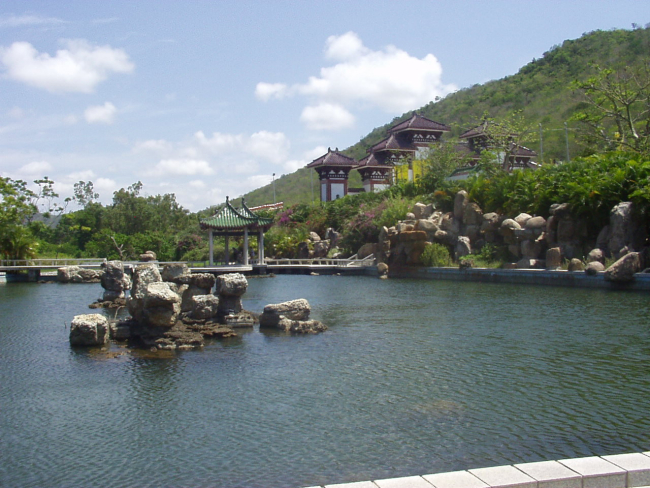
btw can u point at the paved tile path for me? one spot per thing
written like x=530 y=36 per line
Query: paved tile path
x=617 y=471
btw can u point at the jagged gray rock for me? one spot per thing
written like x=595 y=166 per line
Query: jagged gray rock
x=89 y=330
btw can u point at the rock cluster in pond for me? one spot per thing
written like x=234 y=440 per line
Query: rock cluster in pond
x=176 y=309
x=291 y=316
x=532 y=241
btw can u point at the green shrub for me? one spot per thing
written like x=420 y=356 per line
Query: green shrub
x=435 y=255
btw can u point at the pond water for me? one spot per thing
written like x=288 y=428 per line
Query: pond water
x=412 y=378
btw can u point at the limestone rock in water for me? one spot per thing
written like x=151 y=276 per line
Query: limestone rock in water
x=204 y=281
x=594 y=267
x=301 y=326
x=148 y=256
x=76 y=274
x=231 y=285
x=204 y=307
x=382 y=269
x=89 y=330
x=162 y=305
x=292 y=310
x=176 y=273
x=114 y=281
x=238 y=320
x=576 y=265
x=143 y=275
x=624 y=269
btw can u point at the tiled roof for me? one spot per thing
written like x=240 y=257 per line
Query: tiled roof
x=420 y=123
x=230 y=218
x=393 y=143
x=333 y=158
x=369 y=161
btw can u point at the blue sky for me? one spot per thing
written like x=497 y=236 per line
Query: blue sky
x=208 y=99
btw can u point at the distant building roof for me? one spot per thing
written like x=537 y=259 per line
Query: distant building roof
x=417 y=122
x=333 y=158
x=393 y=143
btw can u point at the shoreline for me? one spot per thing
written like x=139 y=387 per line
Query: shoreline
x=575 y=279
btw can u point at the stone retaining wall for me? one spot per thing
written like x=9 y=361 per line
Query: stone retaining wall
x=519 y=276
x=617 y=471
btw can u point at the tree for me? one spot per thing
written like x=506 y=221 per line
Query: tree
x=617 y=111
x=504 y=136
x=442 y=159
x=84 y=193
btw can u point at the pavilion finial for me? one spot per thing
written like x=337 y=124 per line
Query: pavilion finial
x=226 y=198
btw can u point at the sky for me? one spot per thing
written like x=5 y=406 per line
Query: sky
x=208 y=99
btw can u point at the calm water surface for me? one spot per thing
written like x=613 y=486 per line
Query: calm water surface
x=412 y=377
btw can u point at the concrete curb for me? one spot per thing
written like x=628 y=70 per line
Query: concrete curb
x=617 y=471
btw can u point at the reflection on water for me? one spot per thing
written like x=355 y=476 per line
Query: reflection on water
x=412 y=377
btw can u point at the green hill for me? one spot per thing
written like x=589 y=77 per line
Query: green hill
x=542 y=90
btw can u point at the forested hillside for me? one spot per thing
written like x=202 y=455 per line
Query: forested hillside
x=543 y=90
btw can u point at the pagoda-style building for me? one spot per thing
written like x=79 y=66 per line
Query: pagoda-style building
x=374 y=175
x=518 y=157
x=407 y=142
x=236 y=222
x=333 y=170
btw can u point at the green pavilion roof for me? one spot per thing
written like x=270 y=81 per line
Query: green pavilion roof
x=231 y=218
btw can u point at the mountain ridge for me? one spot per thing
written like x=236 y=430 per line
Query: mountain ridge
x=541 y=90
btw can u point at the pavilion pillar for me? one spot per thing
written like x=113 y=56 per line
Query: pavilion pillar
x=227 y=251
x=211 y=249
x=260 y=245
x=245 y=246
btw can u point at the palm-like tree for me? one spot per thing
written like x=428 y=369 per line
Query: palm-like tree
x=18 y=243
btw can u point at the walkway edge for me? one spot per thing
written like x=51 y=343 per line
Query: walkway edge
x=616 y=471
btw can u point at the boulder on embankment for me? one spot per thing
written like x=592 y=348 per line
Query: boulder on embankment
x=623 y=270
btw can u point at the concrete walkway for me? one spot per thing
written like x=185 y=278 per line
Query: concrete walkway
x=617 y=471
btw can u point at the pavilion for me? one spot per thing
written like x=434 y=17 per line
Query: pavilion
x=236 y=222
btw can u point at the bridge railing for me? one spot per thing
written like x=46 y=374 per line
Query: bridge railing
x=51 y=262
x=341 y=263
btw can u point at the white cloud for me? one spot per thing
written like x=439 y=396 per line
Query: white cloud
x=389 y=79
x=70 y=119
x=154 y=145
x=100 y=114
x=266 y=91
x=272 y=146
x=104 y=185
x=36 y=168
x=264 y=145
x=186 y=167
x=345 y=47
x=197 y=184
x=82 y=175
x=327 y=116
x=16 y=113
x=27 y=20
x=77 y=68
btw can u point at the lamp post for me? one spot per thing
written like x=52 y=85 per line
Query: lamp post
x=274 y=188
